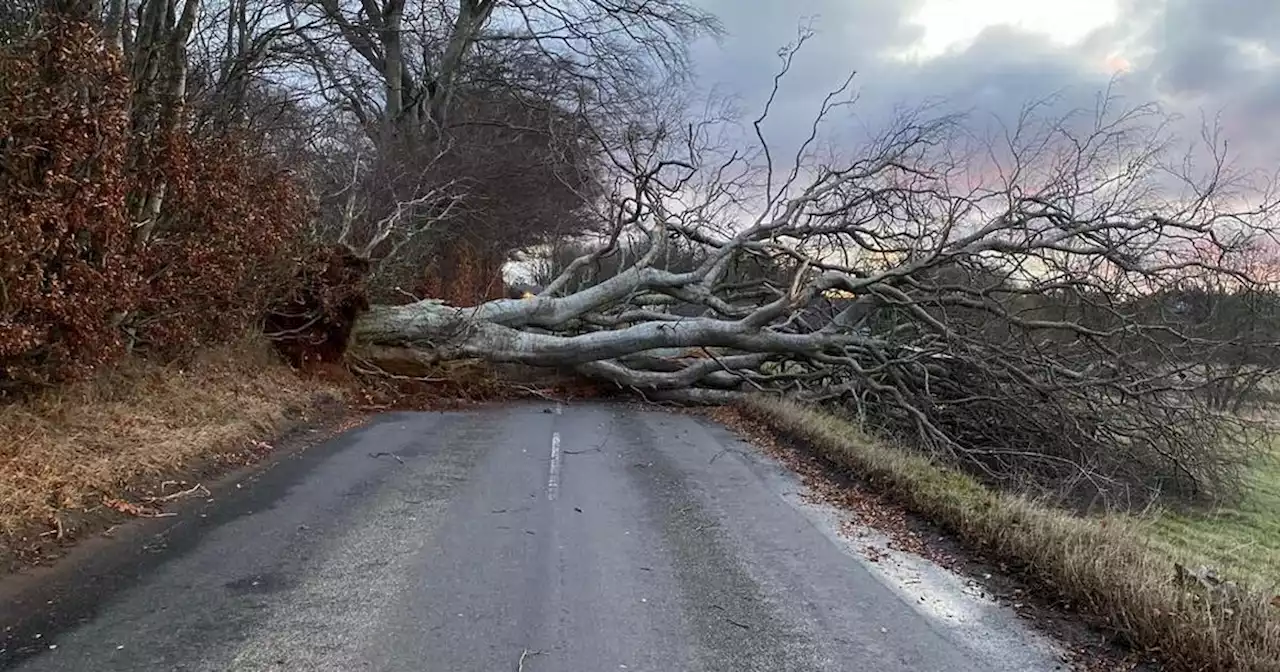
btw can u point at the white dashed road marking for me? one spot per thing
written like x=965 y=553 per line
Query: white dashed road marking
x=553 y=480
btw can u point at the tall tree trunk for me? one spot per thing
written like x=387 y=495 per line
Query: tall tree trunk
x=161 y=73
x=114 y=29
x=473 y=15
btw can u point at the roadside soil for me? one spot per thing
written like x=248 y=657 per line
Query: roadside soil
x=156 y=498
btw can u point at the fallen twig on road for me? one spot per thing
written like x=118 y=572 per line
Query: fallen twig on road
x=722 y=453
x=177 y=495
x=523 y=655
x=729 y=619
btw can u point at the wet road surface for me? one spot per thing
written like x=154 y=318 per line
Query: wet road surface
x=531 y=537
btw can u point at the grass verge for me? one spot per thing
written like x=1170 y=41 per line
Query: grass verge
x=93 y=446
x=1240 y=540
x=1108 y=568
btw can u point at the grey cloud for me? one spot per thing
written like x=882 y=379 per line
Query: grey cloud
x=850 y=35
x=1201 y=47
x=1201 y=64
x=1003 y=69
x=1193 y=62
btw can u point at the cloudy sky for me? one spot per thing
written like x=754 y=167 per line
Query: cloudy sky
x=1214 y=57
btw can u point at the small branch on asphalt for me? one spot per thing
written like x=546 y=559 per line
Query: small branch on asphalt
x=744 y=626
x=197 y=488
x=525 y=654
x=599 y=447
x=722 y=452
x=380 y=454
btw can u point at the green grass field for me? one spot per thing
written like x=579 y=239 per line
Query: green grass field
x=1240 y=542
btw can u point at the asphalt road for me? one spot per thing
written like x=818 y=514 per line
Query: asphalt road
x=519 y=538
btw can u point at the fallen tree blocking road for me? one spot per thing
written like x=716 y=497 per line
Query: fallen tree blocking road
x=1040 y=308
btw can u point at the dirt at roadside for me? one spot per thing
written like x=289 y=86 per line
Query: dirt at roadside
x=155 y=497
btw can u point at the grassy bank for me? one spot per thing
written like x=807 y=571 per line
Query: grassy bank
x=1112 y=569
x=1240 y=541
x=109 y=441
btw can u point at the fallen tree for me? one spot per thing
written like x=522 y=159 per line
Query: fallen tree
x=1009 y=305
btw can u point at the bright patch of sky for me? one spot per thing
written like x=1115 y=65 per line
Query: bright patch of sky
x=952 y=25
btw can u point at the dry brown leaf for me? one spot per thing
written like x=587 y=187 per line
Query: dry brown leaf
x=123 y=507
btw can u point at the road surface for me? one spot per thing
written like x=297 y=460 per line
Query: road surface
x=526 y=537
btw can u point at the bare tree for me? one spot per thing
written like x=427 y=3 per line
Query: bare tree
x=240 y=60
x=494 y=102
x=152 y=37
x=996 y=295
x=375 y=208
x=418 y=56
